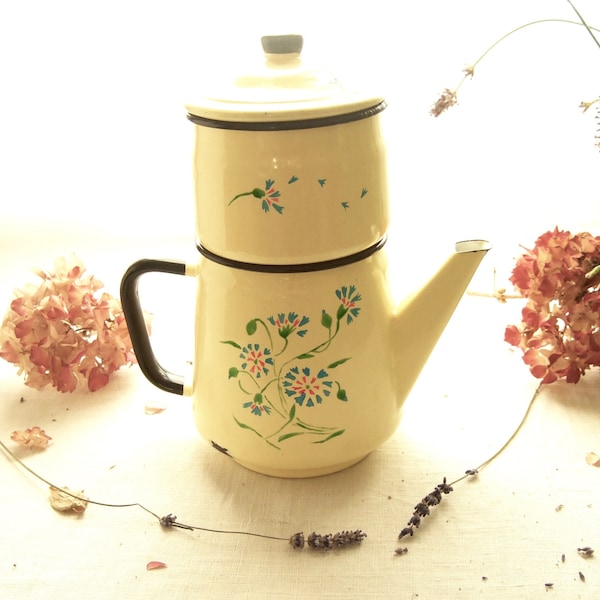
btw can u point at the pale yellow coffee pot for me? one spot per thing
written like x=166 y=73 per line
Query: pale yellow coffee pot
x=302 y=359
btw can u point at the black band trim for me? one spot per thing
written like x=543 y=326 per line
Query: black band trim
x=299 y=268
x=287 y=125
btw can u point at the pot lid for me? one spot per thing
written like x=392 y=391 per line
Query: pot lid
x=281 y=89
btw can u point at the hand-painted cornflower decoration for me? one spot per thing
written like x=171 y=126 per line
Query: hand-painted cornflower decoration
x=256 y=360
x=269 y=196
x=257 y=406
x=348 y=297
x=306 y=388
x=288 y=324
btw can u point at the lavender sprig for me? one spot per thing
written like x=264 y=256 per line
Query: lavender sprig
x=423 y=508
x=328 y=541
x=314 y=541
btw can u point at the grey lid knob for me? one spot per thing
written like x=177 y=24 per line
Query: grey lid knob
x=282 y=44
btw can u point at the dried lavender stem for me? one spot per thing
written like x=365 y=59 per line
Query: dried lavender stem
x=537 y=22
x=449 y=97
x=71 y=494
x=508 y=441
x=423 y=508
x=315 y=541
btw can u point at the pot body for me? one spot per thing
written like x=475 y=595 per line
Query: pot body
x=303 y=192
x=293 y=371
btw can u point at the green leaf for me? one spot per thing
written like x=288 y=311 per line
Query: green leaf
x=231 y=343
x=329 y=437
x=305 y=355
x=287 y=436
x=233 y=372
x=326 y=320
x=341 y=395
x=293 y=411
x=258 y=398
x=251 y=327
x=337 y=363
x=244 y=426
x=341 y=311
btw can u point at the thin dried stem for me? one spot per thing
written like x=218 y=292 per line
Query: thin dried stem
x=499 y=293
x=69 y=493
x=471 y=69
x=516 y=432
x=314 y=542
x=589 y=29
x=449 y=98
x=433 y=498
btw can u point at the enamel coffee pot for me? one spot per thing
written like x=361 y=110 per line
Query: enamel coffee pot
x=302 y=360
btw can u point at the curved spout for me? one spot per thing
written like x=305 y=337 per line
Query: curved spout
x=421 y=318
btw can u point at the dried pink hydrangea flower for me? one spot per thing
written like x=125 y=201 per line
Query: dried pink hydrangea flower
x=560 y=329
x=63 y=333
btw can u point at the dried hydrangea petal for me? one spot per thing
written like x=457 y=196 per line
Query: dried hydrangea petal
x=62 y=333
x=33 y=437
x=592 y=459
x=560 y=322
x=71 y=501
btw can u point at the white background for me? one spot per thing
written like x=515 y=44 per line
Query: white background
x=94 y=139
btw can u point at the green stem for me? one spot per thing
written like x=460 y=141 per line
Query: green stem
x=325 y=345
x=239 y=196
x=589 y=29
x=246 y=426
x=267 y=330
x=313 y=428
x=280 y=429
x=279 y=412
x=280 y=393
x=264 y=389
x=284 y=347
x=256 y=192
x=251 y=379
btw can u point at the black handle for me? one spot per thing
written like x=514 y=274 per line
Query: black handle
x=136 y=324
